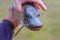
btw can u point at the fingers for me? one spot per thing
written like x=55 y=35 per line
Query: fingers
x=38 y=2
x=37 y=7
x=41 y=4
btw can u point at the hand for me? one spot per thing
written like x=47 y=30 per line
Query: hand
x=14 y=16
x=37 y=3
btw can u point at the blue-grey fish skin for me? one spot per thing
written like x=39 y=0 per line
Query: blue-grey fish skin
x=32 y=17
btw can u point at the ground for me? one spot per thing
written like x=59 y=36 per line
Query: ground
x=50 y=19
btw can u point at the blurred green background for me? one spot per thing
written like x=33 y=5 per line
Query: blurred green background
x=50 y=18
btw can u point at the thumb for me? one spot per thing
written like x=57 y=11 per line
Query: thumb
x=11 y=11
x=19 y=7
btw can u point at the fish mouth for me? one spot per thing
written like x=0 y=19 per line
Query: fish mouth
x=35 y=28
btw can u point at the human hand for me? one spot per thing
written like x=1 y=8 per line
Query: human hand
x=37 y=4
x=14 y=16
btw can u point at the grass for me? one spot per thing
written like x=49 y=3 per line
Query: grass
x=51 y=20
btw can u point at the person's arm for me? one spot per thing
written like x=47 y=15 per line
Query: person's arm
x=6 y=28
x=8 y=25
